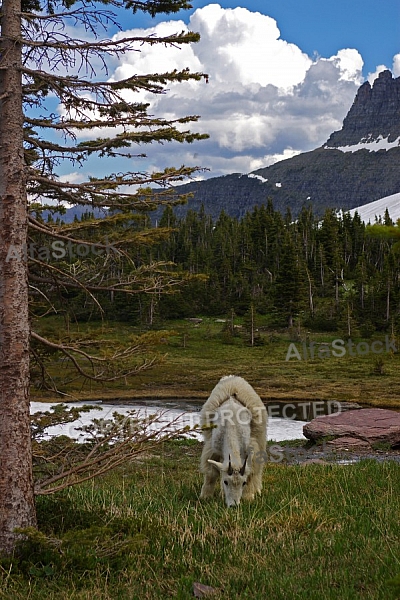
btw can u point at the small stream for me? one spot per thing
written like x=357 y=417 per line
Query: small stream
x=283 y=424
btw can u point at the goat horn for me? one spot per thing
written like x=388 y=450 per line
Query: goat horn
x=230 y=470
x=242 y=470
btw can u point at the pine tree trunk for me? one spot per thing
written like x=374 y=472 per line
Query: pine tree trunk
x=388 y=300
x=252 y=335
x=16 y=486
x=310 y=293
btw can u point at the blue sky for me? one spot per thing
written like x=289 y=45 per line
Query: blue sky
x=324 y=26
x=283 y=75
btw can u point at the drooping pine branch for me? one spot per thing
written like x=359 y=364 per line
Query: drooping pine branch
x=96 y=116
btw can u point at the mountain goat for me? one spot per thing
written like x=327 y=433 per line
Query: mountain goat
x=234 y=422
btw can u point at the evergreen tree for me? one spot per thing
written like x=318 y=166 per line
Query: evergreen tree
x=40 y=59
x=289 y=283
x=306 y=227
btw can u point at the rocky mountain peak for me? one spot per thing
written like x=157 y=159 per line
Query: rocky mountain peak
x=374 y=115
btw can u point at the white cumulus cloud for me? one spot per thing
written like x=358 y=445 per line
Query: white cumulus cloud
x=266 y=99
x=243 y=46
x=372 y=76
x=350 y=64
x=396 y=65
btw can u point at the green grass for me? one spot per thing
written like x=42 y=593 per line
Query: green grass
x=196 y=358
x=318 y=532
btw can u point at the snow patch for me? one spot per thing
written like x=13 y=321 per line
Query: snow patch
x=254 y=176
x=367 y=143
x=373 y=210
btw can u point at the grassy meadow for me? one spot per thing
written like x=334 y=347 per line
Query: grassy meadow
x=318 y=532
x=195 y=356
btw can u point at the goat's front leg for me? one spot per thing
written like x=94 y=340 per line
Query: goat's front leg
x=210 y=477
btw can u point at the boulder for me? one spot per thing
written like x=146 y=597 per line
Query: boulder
x=347 y=443
x=373 y=425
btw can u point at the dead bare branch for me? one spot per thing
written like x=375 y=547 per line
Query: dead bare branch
x=125 y=438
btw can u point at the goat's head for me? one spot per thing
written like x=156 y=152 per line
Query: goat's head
x=233 y=480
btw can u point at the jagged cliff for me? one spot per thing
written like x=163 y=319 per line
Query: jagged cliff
x=357 y=165
x=375 y=114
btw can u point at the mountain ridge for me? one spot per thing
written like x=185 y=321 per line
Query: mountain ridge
x=357 y=165
x=354 y=167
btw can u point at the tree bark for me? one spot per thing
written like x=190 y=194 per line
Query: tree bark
x=17 y=508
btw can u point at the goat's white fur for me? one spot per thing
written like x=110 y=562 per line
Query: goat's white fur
x=234 y=422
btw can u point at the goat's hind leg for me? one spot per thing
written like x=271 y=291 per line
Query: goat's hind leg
x=256 y=477
x=254 y=482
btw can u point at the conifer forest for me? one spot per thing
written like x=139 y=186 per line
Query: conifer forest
x=331 y=274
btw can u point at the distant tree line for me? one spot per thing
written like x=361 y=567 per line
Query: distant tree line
x=329 y=274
